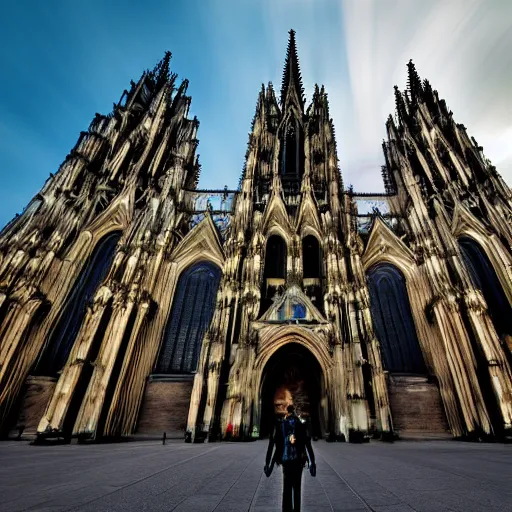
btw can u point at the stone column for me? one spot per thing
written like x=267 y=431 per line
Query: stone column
x=112 y=424
x=57 y=409
x=87 y=421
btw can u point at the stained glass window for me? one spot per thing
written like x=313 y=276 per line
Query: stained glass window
x=392 y=320
x=66 y=330
x=191 y=314
x=298 y=311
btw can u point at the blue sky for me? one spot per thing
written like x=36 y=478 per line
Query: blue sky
x=63 y=61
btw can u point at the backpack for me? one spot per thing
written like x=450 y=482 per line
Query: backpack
x=297 y=451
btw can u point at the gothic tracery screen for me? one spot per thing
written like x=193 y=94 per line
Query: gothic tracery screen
x=191 y=314
x=66 y=330
x=392 y=320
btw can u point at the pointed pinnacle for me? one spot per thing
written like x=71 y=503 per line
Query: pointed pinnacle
x=291 y=72
x=415 y=86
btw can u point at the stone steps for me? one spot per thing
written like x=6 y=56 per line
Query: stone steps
x=165 y=406
x=416 y=407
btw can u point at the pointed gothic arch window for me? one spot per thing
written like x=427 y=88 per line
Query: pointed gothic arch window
x=311 y=257
x=292 y=150
x=63 y=335
x=274 y=271
x=191 y=313
x=392 y=320
x=275 y=258
x=485 y=279
x=313 y=270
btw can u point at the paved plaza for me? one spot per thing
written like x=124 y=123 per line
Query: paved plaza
x=432 y=476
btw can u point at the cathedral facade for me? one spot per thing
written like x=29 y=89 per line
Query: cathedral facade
x=131 y=302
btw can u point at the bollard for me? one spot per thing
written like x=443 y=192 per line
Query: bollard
x=164 y=438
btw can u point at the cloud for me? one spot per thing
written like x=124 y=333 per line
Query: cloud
x=461 y=46
x=358 y=49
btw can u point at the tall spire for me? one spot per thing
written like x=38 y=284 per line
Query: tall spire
x=291 y=74
x=414 y=83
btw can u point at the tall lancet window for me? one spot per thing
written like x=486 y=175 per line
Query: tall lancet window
x=485 y=279
x=311 y=258
x=274 y=273
x=192 y=311
x=392 y=320
x=275 y=258
x=292 y=150
x=312 y=270
x=66 y=330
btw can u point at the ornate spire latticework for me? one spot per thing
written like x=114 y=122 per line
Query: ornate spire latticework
x=292 y=78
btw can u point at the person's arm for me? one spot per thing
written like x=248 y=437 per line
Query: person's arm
x=309 y=448
x=311 y=453
x=270 y=449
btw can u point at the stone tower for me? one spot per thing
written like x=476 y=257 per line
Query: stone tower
x=132 y=302
x=81 y=267
x=292 y=282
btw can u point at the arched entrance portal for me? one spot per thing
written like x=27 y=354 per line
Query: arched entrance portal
x=292 y=376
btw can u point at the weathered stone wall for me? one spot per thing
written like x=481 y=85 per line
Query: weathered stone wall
x=416 y=405
x=165 y=406
x=36 y=395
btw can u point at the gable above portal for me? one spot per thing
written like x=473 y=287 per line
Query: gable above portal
x=293 y=306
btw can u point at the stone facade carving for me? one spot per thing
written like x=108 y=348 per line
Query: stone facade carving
x=134 y=172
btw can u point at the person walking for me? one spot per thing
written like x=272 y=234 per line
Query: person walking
x=291 y=442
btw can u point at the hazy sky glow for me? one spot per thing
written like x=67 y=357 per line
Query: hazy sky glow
x=63 y=61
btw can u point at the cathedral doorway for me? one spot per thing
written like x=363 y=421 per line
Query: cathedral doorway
x=414 y=397
x=292 y=376
x=393 y=321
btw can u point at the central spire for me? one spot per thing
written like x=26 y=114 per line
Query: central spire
x=292 y=80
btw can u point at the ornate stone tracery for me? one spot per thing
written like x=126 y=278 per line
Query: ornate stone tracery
x=290 y=259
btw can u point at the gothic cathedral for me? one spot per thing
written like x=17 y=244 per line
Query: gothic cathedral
x=131 y=302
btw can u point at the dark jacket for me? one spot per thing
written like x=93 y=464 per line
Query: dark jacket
x=302 y=443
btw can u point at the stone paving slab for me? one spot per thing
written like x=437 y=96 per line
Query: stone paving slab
x=433 y=476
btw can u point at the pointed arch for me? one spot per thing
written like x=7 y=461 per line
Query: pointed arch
x=191 y=313
x=203 y=239
x=384 y=246
x=275 y=258
x=311 y=257
x=313 y=269
x=393 y=321
x=274 y=271
x=484 y=278
x=62 y=337
x=276 y=217
x=466 y=225
x=291 y=152
x=308 y=219
x=292 y=148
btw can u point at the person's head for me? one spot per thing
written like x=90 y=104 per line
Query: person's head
x=290 y=410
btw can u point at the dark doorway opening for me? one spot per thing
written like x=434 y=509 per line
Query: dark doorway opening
x=291 y=376
x=393 y=321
